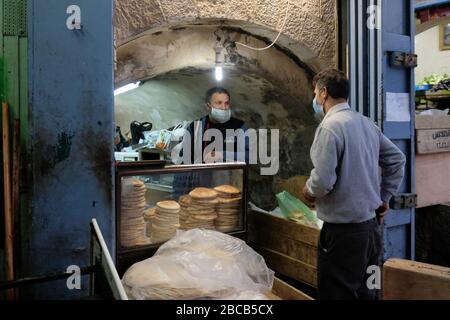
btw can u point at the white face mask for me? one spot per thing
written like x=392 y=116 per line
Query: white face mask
x=220 y=115
x=318 y=109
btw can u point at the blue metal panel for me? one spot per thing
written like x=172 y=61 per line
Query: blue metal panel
x=397 y=130
x=394 y=242
x=71 y=114
x=398 y=35
x=396 y=17
x=371 y=78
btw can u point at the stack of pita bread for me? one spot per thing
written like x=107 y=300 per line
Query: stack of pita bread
x=149 y=214
x=228 y=209
x=198 y=209
x=165 y=222
x=132 y=204
x=184 y=203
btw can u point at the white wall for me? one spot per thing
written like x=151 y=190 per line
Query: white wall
x=431 y=59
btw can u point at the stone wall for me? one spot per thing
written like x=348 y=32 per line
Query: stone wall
x=311 y=23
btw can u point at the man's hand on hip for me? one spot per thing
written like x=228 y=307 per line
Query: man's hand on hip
x=382 y=212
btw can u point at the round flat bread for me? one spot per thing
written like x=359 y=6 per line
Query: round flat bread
x=168 y=205
x=137 y=183
x=227 y=217
x=232 y=204
x=184 y=200
x=133 y=204
x=228 y=212
x=228 y=196
x=197 y=211
x=221 y=221
x=167 y=215
x=227 y=189
x=133 y=195
x=224 y=215
x=132 y=209
x=184 y=213
x=132 y=220
x=203 y=217
x=164 y=222
x=227 y=223
x=198 y=208
x=150 y=213
x=229 y=201
x=212 y=201
x=203 y=193
x=236 y=210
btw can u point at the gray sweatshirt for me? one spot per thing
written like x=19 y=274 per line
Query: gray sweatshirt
x=347 y=153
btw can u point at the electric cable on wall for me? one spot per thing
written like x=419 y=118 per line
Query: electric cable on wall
x=161 y=9
x=276 y=39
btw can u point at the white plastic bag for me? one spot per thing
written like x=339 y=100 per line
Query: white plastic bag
x=199 y=264
x=151 y=137
x=179 y=130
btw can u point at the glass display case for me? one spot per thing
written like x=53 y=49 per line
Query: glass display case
x=153 y=201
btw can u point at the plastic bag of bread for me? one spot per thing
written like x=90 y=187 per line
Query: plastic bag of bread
x=199 y=264
x=295 y=210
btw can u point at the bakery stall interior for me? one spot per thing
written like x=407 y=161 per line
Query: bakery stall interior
x=161 y=76
x=272 y=89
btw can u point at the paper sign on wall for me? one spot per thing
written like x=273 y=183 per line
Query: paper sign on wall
x=398 y=107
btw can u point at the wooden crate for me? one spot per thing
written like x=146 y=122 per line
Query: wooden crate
x=289 y=248
x=432 y=162
x=108 y=279
x=410 y=280
x=283 y=291
x=432 y=134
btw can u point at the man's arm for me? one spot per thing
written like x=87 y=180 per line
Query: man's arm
x=392 y=162
x=325 y=152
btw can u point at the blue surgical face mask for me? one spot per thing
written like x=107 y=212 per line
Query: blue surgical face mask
x=220 y=115
x=318 y=109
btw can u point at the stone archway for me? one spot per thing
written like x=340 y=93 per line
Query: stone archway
x=312 y=23
x=270 y=89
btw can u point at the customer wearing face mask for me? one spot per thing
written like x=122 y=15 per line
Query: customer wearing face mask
x=217 y=103
x=350 y=194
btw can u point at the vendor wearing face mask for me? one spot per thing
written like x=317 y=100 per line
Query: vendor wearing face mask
x=217 y=103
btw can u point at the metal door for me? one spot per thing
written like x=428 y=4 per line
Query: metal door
x=385 y=93
x=71 y=131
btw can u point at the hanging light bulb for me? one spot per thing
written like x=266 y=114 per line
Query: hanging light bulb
x=219 y=72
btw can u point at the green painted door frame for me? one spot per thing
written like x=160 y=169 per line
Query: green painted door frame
x=14 y=90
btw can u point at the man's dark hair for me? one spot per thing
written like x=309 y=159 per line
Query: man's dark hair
x=335 y=81
x=214 y=90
